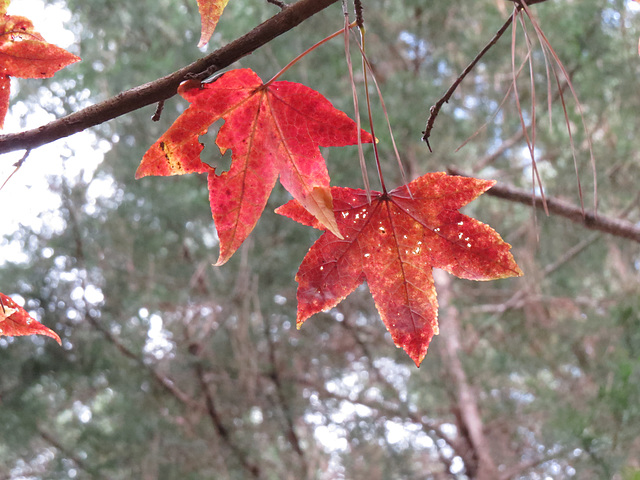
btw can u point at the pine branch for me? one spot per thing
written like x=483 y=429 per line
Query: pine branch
x=165 y=87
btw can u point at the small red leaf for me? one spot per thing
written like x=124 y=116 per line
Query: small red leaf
x=210 y=12
x=273 y=130
x=393 y=243
x=25 y=54
x=15 y=321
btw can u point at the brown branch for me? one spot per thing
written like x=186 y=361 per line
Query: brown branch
x=68 y=454
x=163 y=380
x=479 y=464
x=520 y=468
x=435 y=109
x=588 y=219
x=222 y=430
x=164 y=87
x=274 y=375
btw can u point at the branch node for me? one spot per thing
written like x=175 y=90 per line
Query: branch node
x=278 y=3
x=18 y=164
x=359 y=13
x=158 y=112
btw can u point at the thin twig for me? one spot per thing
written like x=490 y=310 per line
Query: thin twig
x=435 y=109
x=274 y=375
x=164 y=381
x=18 y=164
x=278 y=3
x=158 y=113
x=222 y=430
x=357 y=5
x=68 y=454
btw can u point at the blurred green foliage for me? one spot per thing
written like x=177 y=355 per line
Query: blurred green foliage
x=171 y=368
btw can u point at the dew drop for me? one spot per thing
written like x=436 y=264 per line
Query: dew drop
x=367 y=255
x=321 y=268
x=460 y=236
x=460 y=223
x=469 y=245
x=437 y=229
x=345 y=214
x=29 y=321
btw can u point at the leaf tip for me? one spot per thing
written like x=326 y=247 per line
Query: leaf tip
x=15 y=321
x=417 y=351
x=320 y=205
x=222 y=259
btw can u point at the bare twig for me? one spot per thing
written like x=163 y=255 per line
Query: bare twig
x=357 y=5
x=165 y=87
x=158 y=113
x=435 y=109
x=278 y=3
x=587 y=218
x=18 y=164
x=164 y=381
x=68 y=454
x=222 y=430
x=274 y=375
x=520 y=468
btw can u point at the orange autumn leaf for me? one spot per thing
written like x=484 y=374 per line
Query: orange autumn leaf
x=393 y=243
x=25 y=54
x=210 y=12
x=273 y=130
x=15 y=321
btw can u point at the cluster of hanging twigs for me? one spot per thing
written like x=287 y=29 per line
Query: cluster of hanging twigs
x=554 y=68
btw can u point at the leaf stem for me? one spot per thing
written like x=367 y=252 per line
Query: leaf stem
x=356 y=107
x=307 y=51
x=386 y=116
x=366 y=91
x=18 y=164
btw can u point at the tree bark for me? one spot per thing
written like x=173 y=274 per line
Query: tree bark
x=479 y=462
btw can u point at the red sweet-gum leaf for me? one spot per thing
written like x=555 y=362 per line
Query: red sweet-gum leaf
x=210 y=12
x=393 y=243
x=272 y=130
x=15 y=321
x=25 y=54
